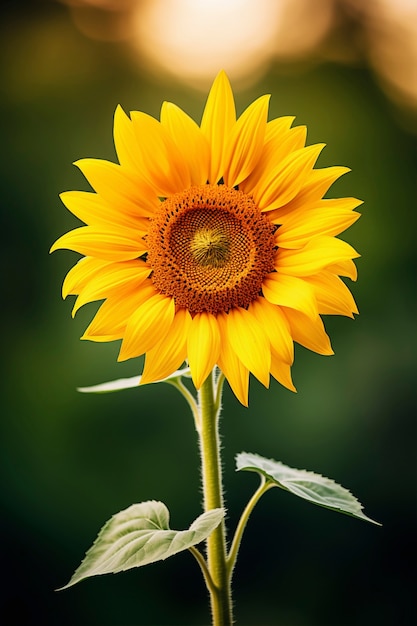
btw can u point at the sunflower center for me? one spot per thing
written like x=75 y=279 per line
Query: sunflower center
x=210 y=248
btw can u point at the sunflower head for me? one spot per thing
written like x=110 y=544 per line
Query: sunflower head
x=211 y=244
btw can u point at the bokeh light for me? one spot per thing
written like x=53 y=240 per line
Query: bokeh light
x=194 y=38
x=390 y=32
x=191 y=39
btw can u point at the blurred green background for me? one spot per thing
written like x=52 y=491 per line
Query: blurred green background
x=69 y=461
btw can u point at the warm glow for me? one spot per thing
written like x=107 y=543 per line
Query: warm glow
x=193 y=38
x=392 y=32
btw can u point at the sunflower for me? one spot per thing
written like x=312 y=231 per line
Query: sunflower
x=211 y=244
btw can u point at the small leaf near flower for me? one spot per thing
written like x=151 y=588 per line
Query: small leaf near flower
x=307 y=485
x=129 y=383
x=140 y=535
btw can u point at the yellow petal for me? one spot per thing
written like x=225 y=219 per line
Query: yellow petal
x=281 y=371
x=79 y=275
x=203 y=346
x=277 y=128
x=125 y=141
x=217 y=122
x=250 y=342
x=316 y=255
x=344 y=268
x=313 y=189
x=161 y=162
x=333 y=297
x=112 y=316
x=101 y=338
x=104 y=244
x=91 y=209
x=189 y=140
x=330 y=218
x=110 y=279
x=290 y=291
x=170 y=352
x=234 y=370
x=147 y=326
x=307 y=332
x=276 y=327
x=319 y=182
x=246 y=142
x=282 y=183
x=279 y=144
x=120 y=187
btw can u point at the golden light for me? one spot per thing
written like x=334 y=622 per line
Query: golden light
x=392 y=41
x=194 y=38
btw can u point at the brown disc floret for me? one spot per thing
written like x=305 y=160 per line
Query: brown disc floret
x=210 y=248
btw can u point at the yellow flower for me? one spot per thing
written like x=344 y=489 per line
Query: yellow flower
x=211 y=244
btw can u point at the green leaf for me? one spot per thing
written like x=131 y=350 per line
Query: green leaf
x=140 y=535
x=307 y=485
x=129 y=383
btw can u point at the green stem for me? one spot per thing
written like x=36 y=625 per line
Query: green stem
x=178 y=384
x=220 y=596
x=203 y=566
x=234 y=549
x=219 y=382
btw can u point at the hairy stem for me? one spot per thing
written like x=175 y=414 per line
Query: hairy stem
x=209 y=406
